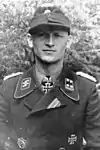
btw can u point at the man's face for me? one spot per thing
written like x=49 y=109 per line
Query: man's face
x=50 y=45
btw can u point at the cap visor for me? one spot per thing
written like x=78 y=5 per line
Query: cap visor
x=48 y=26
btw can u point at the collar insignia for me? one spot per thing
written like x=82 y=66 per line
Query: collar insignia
x=25 y=84
x=69 y=84
x=72 y=139
x=55 y=103
x=67 y=81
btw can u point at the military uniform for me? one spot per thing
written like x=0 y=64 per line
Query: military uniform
x=58 y=120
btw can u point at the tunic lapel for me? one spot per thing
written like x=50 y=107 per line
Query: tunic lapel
x=62 y=94
x=51 y=100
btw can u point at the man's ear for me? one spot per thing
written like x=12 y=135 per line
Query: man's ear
x=30 y=41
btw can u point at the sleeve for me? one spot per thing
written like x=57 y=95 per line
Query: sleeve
x=7 y=134
x=92 y=118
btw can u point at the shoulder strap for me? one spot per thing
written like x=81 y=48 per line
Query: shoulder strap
x=12 y=75
x=85 y=75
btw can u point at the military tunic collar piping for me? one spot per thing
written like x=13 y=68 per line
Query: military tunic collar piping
x=27 y=84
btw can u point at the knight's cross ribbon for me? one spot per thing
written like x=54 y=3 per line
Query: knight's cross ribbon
x=47 y=84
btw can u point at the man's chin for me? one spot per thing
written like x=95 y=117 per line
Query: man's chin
x=49 y=61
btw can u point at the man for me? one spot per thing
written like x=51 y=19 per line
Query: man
x=49 y=107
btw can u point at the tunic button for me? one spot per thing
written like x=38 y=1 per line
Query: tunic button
x=62 y=148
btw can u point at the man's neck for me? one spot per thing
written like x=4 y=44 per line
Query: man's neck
x=49 y=68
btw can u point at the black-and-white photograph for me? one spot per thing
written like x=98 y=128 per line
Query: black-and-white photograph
x=49 y=74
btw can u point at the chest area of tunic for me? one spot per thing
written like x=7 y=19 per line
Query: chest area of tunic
x=54 y=112
x=50 y=121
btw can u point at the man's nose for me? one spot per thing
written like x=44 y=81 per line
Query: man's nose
x=50 y=41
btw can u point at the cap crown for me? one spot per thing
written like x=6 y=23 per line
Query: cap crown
x=51 y=16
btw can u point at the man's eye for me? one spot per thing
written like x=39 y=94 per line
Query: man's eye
x=58 y=35
x=41 y=34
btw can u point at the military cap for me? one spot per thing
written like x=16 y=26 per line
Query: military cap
x=49 y=16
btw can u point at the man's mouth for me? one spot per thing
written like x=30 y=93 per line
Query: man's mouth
x=49 y=50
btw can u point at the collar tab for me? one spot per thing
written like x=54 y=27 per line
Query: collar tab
x=68 y=84
x=25 y=85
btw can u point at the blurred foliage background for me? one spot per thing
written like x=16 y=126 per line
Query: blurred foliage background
x=83 y=50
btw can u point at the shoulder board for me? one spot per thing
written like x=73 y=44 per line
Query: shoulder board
x=85 y=75
x=12 y=75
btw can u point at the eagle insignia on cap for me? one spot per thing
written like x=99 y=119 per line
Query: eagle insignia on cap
x=47 y=12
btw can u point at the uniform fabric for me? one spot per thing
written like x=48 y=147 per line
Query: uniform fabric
x=32 y=120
